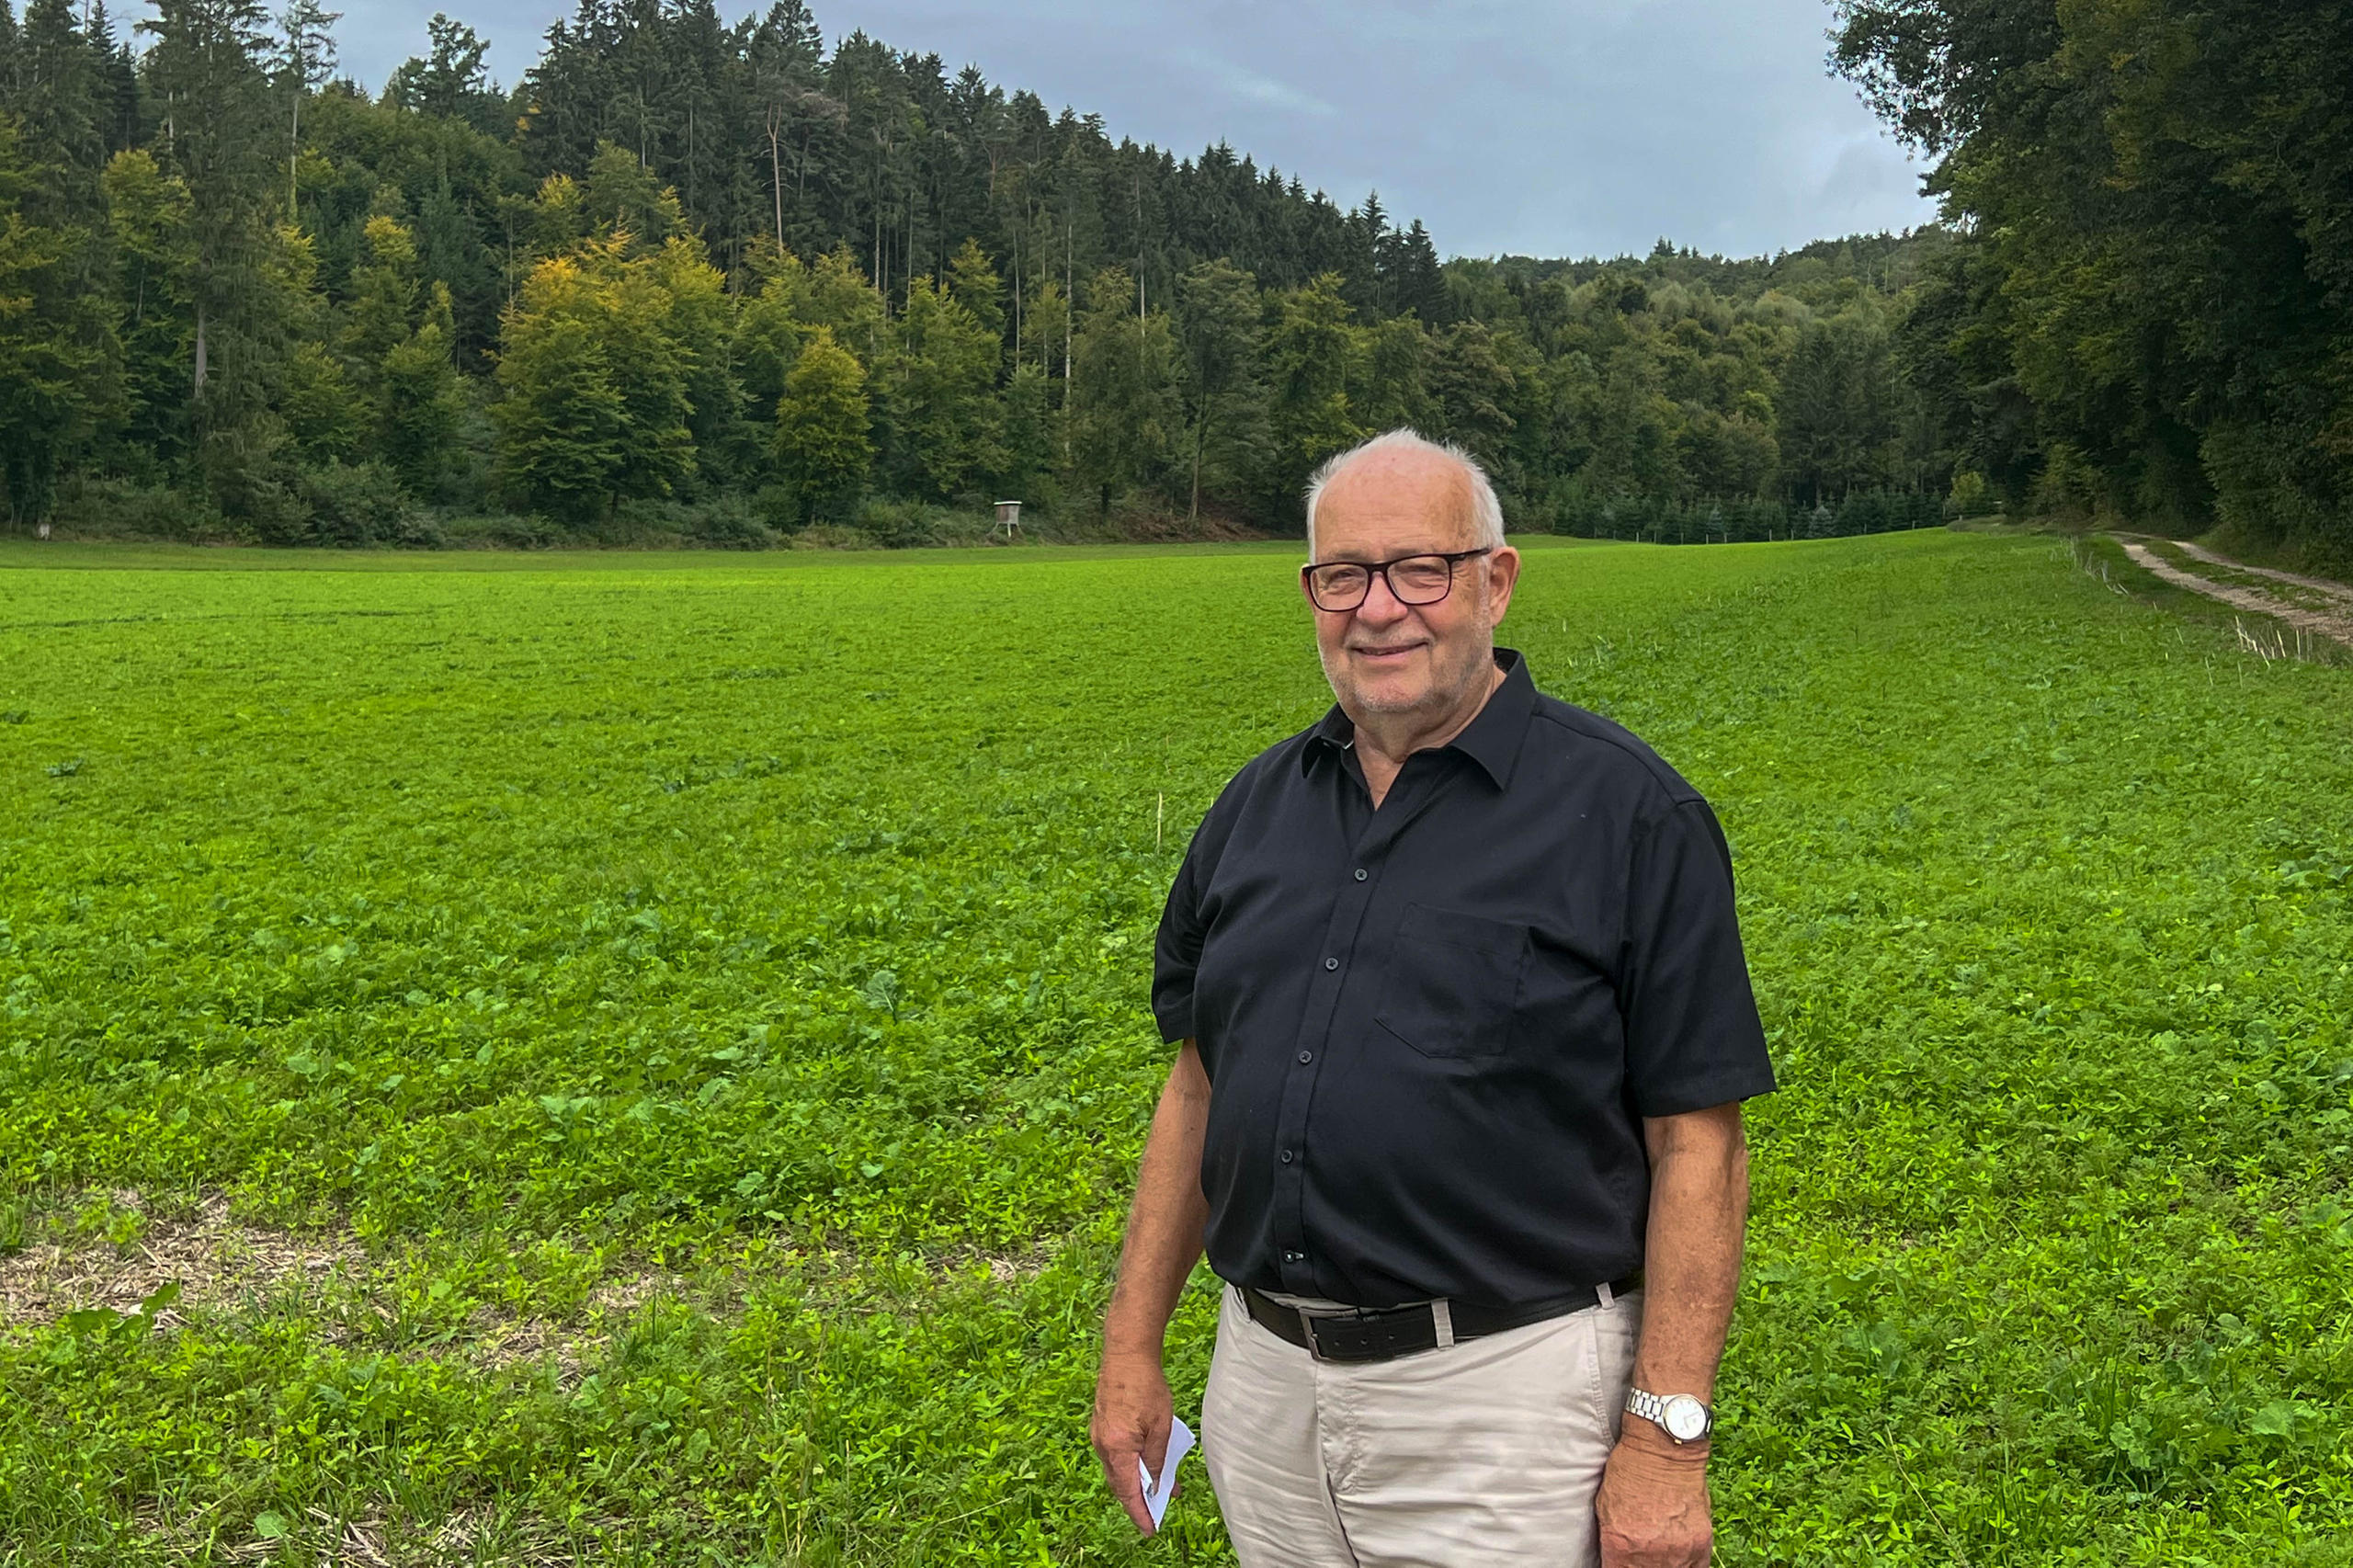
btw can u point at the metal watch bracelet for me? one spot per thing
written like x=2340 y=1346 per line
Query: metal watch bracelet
x=1683 y=1418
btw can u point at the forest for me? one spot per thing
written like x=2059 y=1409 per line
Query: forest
x=714 y=279
x=2151 y=317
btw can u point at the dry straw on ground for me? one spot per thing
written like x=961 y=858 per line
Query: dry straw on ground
x=218 y=1261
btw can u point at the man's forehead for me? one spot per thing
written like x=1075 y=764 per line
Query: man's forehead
x=1377 y=508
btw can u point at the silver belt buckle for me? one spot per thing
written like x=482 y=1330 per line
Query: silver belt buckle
x=1307 y=1326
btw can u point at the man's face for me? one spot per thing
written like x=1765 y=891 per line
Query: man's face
x=1388 y=658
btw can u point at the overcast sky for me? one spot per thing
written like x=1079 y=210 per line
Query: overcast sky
x=1542 y=127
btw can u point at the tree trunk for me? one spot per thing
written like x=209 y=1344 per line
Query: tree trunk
x=1201 y=439
x=776 y=178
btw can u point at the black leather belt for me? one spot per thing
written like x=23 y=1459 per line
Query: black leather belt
x=1376 y=1334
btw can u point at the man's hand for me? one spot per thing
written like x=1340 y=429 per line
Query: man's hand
x=1654 y=1503
x=1132 y=1412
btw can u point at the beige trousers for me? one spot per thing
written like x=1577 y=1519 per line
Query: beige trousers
x=1486 y=1453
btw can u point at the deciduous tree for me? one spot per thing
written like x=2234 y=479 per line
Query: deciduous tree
x=822 y=437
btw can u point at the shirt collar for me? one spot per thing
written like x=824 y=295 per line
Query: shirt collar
x=1492 y=738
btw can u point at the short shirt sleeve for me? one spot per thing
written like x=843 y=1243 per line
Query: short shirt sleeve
x=1176 y=952
x=1693 y=1038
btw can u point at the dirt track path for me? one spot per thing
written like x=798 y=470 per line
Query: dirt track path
x=2326 y=623
x=2340 y=592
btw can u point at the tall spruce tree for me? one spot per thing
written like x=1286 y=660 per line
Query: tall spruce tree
x=62 y=103
x=148 y=221
x=305 y=63
x=1309 y=351
x=451 y=81
x=1123 y=410
x=58 y=351
x=940 y=381
x=207 y=74
x=1217 y=333
x=119 y=79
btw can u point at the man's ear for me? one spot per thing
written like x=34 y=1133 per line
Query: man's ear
x=1503 y=575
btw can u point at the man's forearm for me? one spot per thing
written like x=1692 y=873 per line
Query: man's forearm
x=1164 y=1224
x=1691 y=1274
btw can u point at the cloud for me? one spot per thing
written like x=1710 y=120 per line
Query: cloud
x=1246 y=83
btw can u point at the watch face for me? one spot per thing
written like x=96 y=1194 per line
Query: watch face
x=1687 y=1418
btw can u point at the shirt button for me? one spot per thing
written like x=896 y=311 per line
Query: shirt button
x=1361 y=873
x=1331 y=963
x=1287 y=1156
x=1305 y=1057
x=1294 y=1257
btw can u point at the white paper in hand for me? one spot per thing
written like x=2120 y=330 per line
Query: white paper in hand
x=1157 y=1492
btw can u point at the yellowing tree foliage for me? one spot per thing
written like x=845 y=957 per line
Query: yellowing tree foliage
x=821 y=424
x=595 y=404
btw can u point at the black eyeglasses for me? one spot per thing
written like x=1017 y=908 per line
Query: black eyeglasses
x=1411 y=579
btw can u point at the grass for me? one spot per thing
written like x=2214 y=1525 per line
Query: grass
x=638 y=1059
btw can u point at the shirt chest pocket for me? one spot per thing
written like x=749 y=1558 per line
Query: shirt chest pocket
x=1453 y=983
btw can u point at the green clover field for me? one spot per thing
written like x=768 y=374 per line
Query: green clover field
x=638 y=1059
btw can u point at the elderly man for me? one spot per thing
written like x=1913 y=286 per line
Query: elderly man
x=1465 y=1029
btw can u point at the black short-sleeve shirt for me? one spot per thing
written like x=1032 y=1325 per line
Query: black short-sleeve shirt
x=1432 y=1030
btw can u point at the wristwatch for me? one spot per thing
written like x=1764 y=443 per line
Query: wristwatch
x=1680 y=1416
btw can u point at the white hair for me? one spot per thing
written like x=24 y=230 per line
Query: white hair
x=1486 y=512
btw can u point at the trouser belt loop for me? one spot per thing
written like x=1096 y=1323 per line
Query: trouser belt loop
x=1605 y=1293
x=1442 y=1316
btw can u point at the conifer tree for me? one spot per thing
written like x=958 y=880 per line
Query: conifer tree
x=940 y=381
x=653 y=368
x=1419 y=285
x=1308 y=353
x=973 y=283
x=57 y=347
x=1047 y=322
x=451 y=81
x=1391 y=383
x=205 y=68
x=151 y=231
x=1473 y=388
x=306 y=59
x=61 y=106
x=1217 y=332
x=1031 y=441
x=840 y=297
x=122 y=126
x=620 y=196
x=1123 y=408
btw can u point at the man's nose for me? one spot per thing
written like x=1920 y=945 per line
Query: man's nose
x=1382 y=606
